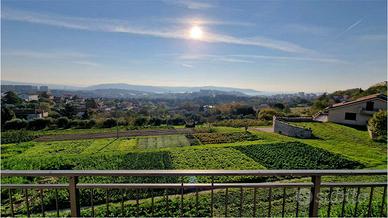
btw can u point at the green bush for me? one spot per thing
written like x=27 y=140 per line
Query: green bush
x=38 y=124
x=91 y=124
x=109 y=123
x=241 y=123
x=268 y=113
x=15 y=124
x=377 y=125
x=17 y=136
x=140 y=121
x=63 y=122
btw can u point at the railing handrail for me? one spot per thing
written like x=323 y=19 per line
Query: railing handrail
x=70 y=173
x=74 y=186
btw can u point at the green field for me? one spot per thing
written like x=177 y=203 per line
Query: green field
x=164 y=141
x=335 y=147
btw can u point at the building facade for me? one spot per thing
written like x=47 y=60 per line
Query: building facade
x=356 y=112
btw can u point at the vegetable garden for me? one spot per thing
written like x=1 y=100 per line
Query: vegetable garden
x=223 y=148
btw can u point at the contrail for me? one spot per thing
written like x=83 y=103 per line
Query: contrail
x=350 y=27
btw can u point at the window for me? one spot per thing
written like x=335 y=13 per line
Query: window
x=350 y=116
x=369 y=106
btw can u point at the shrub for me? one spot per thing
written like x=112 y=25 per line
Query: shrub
x=15 y=124
x=73 y=123
x=54 y=114
x=109 y=123
x=140 y=121
x=268 y=113
x=6 y=115
x=154 y=121
x=91 y=123
x=241 y=123
x=63 y=122
x=38 y=124
x=176 y=121
x=377 y=125
x=17 y=136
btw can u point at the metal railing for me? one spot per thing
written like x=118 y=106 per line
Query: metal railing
x=73 y=186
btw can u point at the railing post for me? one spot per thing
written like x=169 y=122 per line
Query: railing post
x=314 y=201
x=74 y=197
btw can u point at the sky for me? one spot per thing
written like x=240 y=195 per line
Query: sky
x=287 y=46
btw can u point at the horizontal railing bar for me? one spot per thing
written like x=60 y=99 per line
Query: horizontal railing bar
x=193 y=185
x=59 y=173
x=156 y=185
x=187 y=185
x=35 y=186
x=378 y=184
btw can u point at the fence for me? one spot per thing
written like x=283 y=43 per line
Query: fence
x=74 y=187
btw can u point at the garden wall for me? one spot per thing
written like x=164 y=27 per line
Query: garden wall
x=281 y=126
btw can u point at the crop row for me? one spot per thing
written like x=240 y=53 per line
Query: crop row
x=218 y=138
x=296 y=155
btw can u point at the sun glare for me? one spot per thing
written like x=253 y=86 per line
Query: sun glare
x=196 y=32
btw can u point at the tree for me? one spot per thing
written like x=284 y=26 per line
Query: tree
x=108 y=123
x=155 y=121
x=11 y=98
x=377 y=125
x=268 y=113
x=38 y=124
x=44 y=106
x=15 y=124
x=44 y=97
x=63 y=122
x=140 y=121
x=279 y=106
x=69 y=110
x=6 y=114
x=91 y=103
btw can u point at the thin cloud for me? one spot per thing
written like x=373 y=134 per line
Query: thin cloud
x=308 y=29
x=207 y=22
x=71 y=57
x=373 y=37
x=241 y=58
x=190 y=4
x=119 y=26
x=46 y=55
x=187 y=65
x=290 y=58
x=350 y=27
x=211 y=58
x=86 y=63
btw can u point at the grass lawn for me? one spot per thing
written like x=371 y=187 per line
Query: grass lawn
x=349 y=142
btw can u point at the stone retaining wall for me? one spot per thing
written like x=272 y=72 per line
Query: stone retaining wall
x=281 y=126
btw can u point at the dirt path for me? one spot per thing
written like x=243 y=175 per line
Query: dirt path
x=262 y=129
x=129 y=133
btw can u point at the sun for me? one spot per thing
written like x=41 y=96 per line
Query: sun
x=196 y=32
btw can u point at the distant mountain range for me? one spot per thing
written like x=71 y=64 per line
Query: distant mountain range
x=143 y=88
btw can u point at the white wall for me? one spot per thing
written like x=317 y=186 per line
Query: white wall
x=337 y=115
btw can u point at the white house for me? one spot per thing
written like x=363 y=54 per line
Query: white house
x=356 y=112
